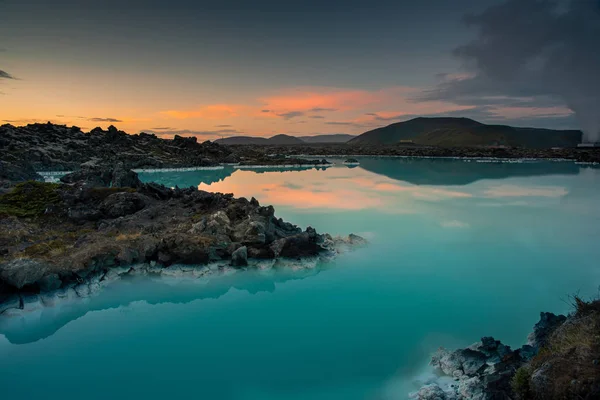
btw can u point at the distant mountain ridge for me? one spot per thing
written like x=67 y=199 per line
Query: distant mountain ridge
x=465 y=132
x=334 y=138
x=285 y=139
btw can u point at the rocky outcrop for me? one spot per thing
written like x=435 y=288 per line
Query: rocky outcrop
x=543 y=328
x=239 y=258
x=484 y=370
x=20 y=272
x=98 y=220
x=103 y=177
x=50 y=147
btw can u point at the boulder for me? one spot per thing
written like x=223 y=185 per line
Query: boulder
x=183 y=249
x=84 y=213
x=543 y=328
x=300 y=245
x=459 y=362
x=94 y=176
x=430 y=392
x=17 y=171
x=22 y=271
x=90 y=177
x=121 y=204
x=122 y=177
x=50 y=282
x=239 y=258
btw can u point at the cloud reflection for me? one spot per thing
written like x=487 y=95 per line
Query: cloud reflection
x=522 y=191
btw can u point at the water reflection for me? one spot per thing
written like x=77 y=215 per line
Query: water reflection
x=456 y=252
x=46 y=321
x=187 y=178
x=447 y=172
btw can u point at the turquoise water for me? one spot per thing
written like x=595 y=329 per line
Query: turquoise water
x=457 y=250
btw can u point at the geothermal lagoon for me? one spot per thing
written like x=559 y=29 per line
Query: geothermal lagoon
x=457 y=250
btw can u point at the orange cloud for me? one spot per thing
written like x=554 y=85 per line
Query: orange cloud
x=213 y=111
x=307 y=99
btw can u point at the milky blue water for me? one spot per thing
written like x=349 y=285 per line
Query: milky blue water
x=457 y=250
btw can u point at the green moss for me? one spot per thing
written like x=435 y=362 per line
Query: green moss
x=29 y=199
x=520 y=383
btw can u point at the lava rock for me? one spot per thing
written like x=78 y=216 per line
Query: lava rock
x=239 y=258
x=22 y=271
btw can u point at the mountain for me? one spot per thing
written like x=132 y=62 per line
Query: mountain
x=284 y=139
x=465 y=132
x=335 y=138
x=277 y=139
x=242 y=140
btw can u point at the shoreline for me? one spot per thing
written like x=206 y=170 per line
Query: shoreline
x=75 y=234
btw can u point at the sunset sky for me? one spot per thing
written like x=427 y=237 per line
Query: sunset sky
x=232 y=67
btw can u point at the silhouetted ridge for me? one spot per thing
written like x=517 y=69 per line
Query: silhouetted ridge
x=465 y=132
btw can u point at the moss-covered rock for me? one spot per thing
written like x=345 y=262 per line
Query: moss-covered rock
x=29 y=199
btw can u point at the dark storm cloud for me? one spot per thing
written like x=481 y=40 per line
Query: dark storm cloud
x=265 y=111
x=291 y=114
x=5 y=75
x=316 y=117
x=537 y=50
x=104 y=120
x=490 y=115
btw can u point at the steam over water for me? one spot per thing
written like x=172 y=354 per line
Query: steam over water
x=458 y=250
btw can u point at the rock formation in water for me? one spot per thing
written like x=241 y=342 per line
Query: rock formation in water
x=560 y=361
x=71 y=235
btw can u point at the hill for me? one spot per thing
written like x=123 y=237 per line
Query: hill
x=277 y=139
x=465 y=132
x=335 y=138
x=285 y=139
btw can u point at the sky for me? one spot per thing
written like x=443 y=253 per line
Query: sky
x=233 y=67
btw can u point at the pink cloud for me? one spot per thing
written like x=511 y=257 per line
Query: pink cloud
x=213 y=111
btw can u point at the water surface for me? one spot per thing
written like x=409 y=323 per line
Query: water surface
x=457 y=250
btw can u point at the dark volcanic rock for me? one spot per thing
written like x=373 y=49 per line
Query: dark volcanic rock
x=48 y=147
x=21 y=272
x=122 y=204
x=541 y=331
x=17 y=170
x=77 y=233
x=104 y=177
x=239 y=258
x=485 y=369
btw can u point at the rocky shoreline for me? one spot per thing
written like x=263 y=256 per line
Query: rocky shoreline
x=584 y=155
x=64 y=239
x=559 y=361
x=49 y=147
